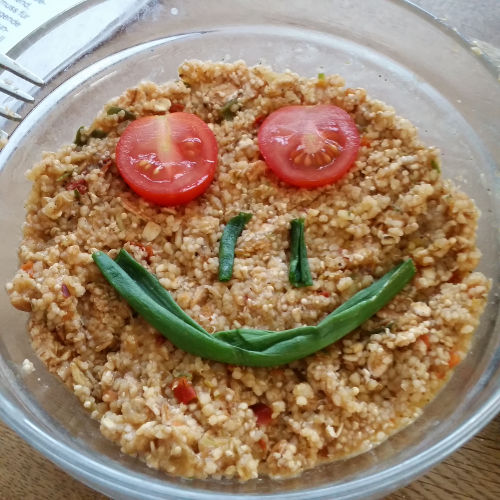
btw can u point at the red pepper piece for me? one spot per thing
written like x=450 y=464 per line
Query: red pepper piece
x=176 y=107
x=183 y=390
x=263 y=413
x=81 y=186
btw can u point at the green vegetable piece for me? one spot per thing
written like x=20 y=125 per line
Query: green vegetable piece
x=299 y=273
x=321 y=76
x=80 y=138
x=97 y=133
x=114 y=110
x=65 y=175
x=382 y=329
x=435 y=165
x=231 y=233
x=76 y=194
x=227 y=111
x=152 y=286
x=242 y=346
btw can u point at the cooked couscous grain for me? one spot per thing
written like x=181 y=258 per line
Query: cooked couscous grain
x=245 y=422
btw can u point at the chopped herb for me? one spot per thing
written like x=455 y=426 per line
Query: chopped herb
x=178 y=374
x=321 y=76
x=80 y=138
x=245 y=346
x=435 y=165
x=187 y=84
x=97 y=133
x=114 y=110
x=77 y=194
x=299 y=273
x=382 y=329
x=231 y=233
x=64 y=176
x=228 y=111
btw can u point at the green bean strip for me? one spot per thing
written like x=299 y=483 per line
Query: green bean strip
x=150 y=284
x=231 y=233
x=245 y=346
x=299 y=272
x=341 y=321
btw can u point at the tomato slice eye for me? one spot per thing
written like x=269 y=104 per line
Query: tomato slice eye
x=309 y=146
x=168 y=159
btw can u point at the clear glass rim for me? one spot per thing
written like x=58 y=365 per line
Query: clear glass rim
x=118 y=479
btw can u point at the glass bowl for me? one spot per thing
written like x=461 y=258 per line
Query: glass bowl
x=401 y=56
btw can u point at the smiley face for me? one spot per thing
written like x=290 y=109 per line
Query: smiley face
x=197 y=418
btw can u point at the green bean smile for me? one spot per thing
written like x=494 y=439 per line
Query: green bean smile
x=244 y=346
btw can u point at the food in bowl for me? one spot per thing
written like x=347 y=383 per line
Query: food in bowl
x=195 y=417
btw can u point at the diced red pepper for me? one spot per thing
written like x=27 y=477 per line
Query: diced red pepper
x=454 y=359
x=176 y=107
x=262 y=443
x=425 y=339
x=81 y=186
x=455 y=278
x=159 y=340
x=147 y=248
x=105 y=164
x=183 y=390
x=258 y=121
x=263 y=413
x=324 y=293
x=28 y=267
x=365 y=141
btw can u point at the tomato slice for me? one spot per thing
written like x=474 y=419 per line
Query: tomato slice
x=309 y=146
x=168 y=159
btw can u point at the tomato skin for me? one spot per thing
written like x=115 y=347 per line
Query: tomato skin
x=169 y=159
x=323 y=135
x=183 y=390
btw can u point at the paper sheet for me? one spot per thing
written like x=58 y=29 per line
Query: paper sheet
x=18 y=18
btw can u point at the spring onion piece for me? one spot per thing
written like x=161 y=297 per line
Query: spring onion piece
x=228 y=111
x=80 y=138
x=114 y=110
x=65 y=175
x=244 y=346
x=231 y=233
x=299 y=272
x=97 y=133
x=435 y=165
x=152 y=287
